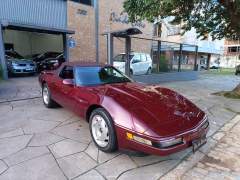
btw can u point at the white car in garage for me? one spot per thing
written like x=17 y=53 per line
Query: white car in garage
x=140 y=63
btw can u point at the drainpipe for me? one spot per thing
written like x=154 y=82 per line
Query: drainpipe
x=2 y=54
x=110 y=48
x=196 y=58
x=96 y=7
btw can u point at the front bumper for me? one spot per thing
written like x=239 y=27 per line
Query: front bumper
x=188 y=139
x=22 y=69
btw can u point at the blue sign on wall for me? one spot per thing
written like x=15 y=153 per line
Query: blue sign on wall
x=71 y=43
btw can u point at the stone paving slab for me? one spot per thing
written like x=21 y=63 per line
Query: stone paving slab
x=13 y=133
x=39 y=126
x=66 y=147
x=44 y=167
x=78 y=131
x=12 y=145
x=3 y=167
x=25 y=155
x=150 y=172
x=45 y=139
x=115 y=167
x=76 y=164
x=91 y=175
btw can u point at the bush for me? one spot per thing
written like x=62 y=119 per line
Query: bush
x=163 y=64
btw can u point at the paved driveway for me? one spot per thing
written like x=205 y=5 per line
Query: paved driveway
x=40 y=143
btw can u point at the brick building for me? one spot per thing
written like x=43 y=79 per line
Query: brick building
x=231 y=56
x=32 y=27
x=110 y=17
x=75 y=27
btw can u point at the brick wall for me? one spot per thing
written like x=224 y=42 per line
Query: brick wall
x=109 y=14
x=84 y=28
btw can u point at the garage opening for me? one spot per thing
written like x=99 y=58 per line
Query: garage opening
x=29 y=50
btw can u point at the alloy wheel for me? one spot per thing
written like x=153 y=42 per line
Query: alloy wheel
x=100 y=131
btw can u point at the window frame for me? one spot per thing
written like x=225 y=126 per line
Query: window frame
x=87 y=4
x=63 y=68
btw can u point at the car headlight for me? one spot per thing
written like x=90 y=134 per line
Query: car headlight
x=130 y=136
x=170 y=142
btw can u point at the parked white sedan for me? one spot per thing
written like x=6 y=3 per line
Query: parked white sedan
x=140 y=63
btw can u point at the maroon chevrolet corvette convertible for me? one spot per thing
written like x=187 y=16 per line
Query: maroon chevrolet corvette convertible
x=125 y=114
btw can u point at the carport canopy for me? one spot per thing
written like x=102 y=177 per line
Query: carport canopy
x=30 y=28
x=126 y=33
x=34 y=28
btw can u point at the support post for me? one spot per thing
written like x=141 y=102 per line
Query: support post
x=110 y=48
x=2 y=54
x=65 y=47
x=196 y=58
x=208 y=61
x=127 y=52
x=180 y=58
x=158 y=56
x=96 y=7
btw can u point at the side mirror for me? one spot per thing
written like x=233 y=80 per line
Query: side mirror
x=68 y=82
x=55 y=65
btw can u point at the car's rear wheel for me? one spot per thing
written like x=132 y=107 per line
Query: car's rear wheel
x=149 y=71
x=46 y=96
x=131 y=72
x=102 y=130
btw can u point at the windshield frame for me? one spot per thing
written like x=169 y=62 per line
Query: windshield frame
x=129 y=80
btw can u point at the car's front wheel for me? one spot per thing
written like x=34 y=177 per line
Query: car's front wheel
x=102 y=130
x=46 y=96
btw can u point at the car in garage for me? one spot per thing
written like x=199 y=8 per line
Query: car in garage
x=237 y=70
x=140 y=63
x=122 y=113
x=17 y=64
x=41 y=57
x=51 y=63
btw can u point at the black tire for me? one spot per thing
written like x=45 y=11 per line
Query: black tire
x=149 y=71
x=112 y=142
x=131 y=72
x=50 y=103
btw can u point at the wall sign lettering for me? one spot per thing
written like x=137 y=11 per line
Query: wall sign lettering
x=82 y=12
x=123 y=18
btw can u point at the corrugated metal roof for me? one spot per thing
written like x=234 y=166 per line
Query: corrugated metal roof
x=46 y=13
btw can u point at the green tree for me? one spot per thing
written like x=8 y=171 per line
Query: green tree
x=217 y=18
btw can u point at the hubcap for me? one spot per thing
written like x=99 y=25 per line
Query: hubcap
x=45 y=95
x=100 y=131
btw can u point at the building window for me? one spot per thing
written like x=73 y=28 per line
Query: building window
x=86 y=2
x=233 y=49
x=158 y=29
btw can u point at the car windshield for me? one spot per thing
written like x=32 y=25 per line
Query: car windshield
x=90 y=76
x=13 y=54
x=121 y=58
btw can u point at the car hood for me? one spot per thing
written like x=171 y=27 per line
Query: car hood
x=156 y=111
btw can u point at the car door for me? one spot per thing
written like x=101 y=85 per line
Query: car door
x=143 y=64
x=135 y=64
x=64 y=93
